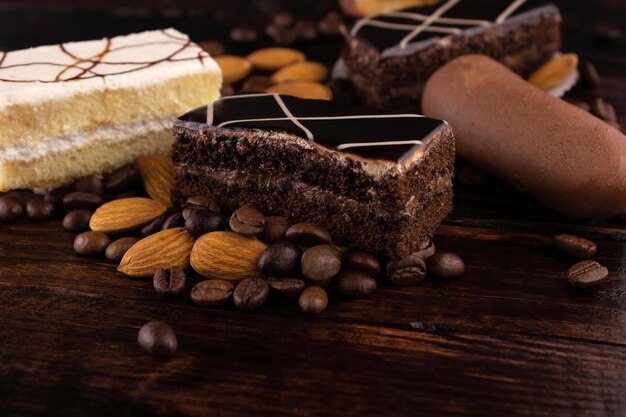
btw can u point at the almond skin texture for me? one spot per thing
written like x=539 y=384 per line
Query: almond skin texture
x=227 y=255
x=168 y=248
x=554 y=71
x=158 y=174
x=234 y=68
x=301 y=71
x=271 y=59
x=126 y=214
x=302 y=89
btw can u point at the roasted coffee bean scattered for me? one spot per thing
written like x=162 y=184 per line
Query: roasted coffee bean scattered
x=590 y=75
x=313 y=300
x=275 y=228
x=331 y=24
x=243 y=34
x=426 y=250
x=56 y=195
x=201 y=203
x=89 y=184
x=250 y=294
x=77 y=220
x=173 y=220
x=256 y=84
x=91 y=243
x=408 y=270
x=247 y=221
x=320 y=264
x=39 y=210
x=170 y=281
x=445 y=265
x=11 y=208
x=362 y=261
x=587 y=274
x=24 y=196
x=214 y=48
x=355 y=284
x=200 y=222
x=607 y=33
x=212 y=293
x=80 y=200
x=116 y=249
x=286 y=287
x=122 y=179
x=280 y=259
x=158 y=339
x=155 y=225
x=308 y=234
x=574 y=246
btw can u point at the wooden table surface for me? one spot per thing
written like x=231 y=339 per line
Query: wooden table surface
x=509 y=338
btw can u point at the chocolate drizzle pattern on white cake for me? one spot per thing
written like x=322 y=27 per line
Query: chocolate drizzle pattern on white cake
x=363 y=131
x=396 y=32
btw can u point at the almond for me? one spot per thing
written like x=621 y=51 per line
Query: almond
x=271 y=59
x=301 y=71
x=362 y=8
x=125 y=214
x=302 y=89
x=158 y=174
x=227 y=255
x=168 y=248
x=234 y=68
x=554 y=71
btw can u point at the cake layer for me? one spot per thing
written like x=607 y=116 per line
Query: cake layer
x=52 y=91
x=62 y=159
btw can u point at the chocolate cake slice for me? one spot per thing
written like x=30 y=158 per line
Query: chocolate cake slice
x=389 y=57
x=379 y=181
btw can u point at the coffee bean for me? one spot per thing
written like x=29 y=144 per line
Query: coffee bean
x=201 y=222
x=116 y=249
x=607 y=33
x=202 y=203
x=77 y=221
x=173 y=220
x=306 y=30
x=355 y=284
x=275 y=228
x=154 y=226
x=227 y=90
x=362 y=261
x=122 y=179
x=256 y=84
x=587 y=274
x=39 y=210
x=308 y=234
x=214 y=48
x=24 y=196
x=79 y=200
x=426 y=250
x=445 y=265
x=57 y=194
x=408 y=270
x=169 y=281
x=280 y=259
x=330 y=25
x=212 y=293
x=313 y=300
x=158 y=339
x=286 y=287
x=590 y=75
x=251 y=294
x=90 y=184
x=283 y=19
x=574 y=246
x=91 y=243
x=243 y=34
x=247 y=221
x=11 y=208
x=320 y=264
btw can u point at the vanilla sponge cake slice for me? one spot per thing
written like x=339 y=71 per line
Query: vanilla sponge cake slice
x=83 y=108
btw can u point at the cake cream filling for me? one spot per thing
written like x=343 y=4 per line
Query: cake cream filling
x=111 y=134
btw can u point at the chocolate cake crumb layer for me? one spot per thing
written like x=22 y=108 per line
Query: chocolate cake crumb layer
x=386 y=205
x=390 y=57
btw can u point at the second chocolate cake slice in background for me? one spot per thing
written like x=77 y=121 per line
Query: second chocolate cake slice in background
x=379 y=181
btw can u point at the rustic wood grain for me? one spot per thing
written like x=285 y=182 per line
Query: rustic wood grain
x=509 y=338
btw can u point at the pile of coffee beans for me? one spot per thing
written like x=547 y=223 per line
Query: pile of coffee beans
x=584 y=274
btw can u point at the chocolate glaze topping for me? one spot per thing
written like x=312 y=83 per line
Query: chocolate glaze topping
x=364 y=131
x=404 y=32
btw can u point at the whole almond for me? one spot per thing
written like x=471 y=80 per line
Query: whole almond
x=158 y=174
x=168 y=248
x=271 y=59
x=125 y=214
x=301 y=71
x=227 y=255
x=234 y=68
x=362 y=8
x=302 y=89
x=554 y=71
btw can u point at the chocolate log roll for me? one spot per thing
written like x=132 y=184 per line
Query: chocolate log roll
x=561 y=155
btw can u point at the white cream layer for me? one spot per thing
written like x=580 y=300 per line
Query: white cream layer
x=53 y=72
x=111 y=134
